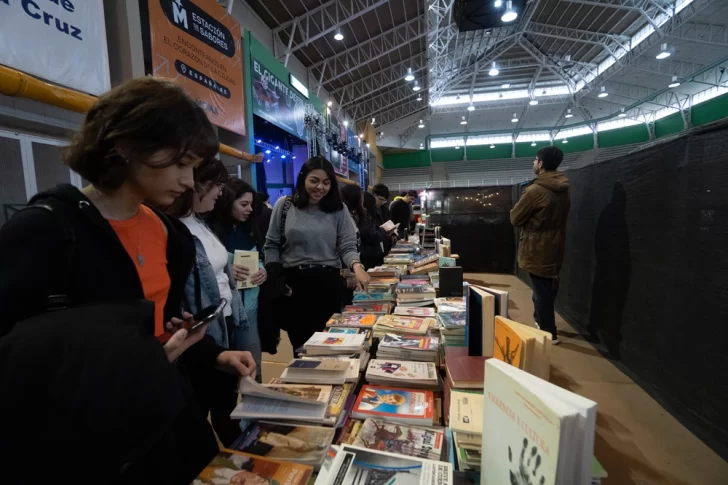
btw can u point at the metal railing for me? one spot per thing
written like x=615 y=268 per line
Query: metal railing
x=441 y=184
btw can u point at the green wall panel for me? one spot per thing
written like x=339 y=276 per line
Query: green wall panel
x=484 y=152
x=669 y=125
x=420 y=158
x=580 y=143
x=449 y=154
x=712 y=110
x=526 y=150
x=624 y=136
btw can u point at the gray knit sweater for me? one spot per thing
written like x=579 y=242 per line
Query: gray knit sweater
x=312 y=237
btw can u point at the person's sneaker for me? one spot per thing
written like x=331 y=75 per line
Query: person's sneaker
x=555 y=339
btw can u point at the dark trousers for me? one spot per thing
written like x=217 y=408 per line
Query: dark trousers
x=544 y=295
x=316 y=295
x=217 y=393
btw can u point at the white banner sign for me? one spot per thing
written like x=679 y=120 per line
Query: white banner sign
x=62 y=41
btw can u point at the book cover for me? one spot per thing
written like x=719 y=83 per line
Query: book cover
x=343 y=340
x=332 y=365
x=466 y=412
x=305 y=391
x=249 y=259
x=445 y=262
x=450 y=304
x=352 y=320
x=413 y=324
x=360 y=297
x=452 y=319
x=234 y=467
x=508 y=345
x=302 y=444
x=409 y=342
x=378 y=308
x=380 y=435
x=391 y=402
x=414 y=312
x=361 y=466
x=402 y=370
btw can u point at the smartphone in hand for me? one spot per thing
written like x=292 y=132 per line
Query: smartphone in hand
x=207 y=315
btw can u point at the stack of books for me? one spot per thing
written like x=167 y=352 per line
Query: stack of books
x=405 y=311
x=420 y=375
x=375 y=308
x=420 y=348
x=466 y=422
x=451 y=320
x=231 y=466
x=402 y=325
x=417 y=441
x=413 y=294
x=337 y=401
x=399 y=405
x=361 y=297
x=384 y=272
x=282 y=402
x=424 y=263
x=326 y=343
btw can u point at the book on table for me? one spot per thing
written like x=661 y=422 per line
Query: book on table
x=361 y=466
x=501 y=300
x=414 y=312
x=464 y=372
x=375 y=308
x=352 y=320
x=248 y=259
x=309 y=371
x=361 y=297
x=480 y=322
x=402 y=372
x=306 y=445
x=234 y=467
x=337 y=399
x=535 y=430
x=421 y=442
x=398 y=324
x=522 y=346
x=395 y=404
x=353 y=365
x=466 y=412
x=450 y=304
x=305 y=403
x=413 y=291
x=327 y=343
x=420 y=348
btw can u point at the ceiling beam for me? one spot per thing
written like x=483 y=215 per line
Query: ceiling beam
x=396 y=113
x=384 y=101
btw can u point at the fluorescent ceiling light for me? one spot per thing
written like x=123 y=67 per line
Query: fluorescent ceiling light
x=510 y=15
x=471 y=108
x=533 y=102
x=664 y=52
x=603 y=92
x=494 y=70
x=421 y=125
x=568 y=114
x=409 y=76
x=675 y=83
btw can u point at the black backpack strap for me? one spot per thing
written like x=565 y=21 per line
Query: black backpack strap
x=284 y=214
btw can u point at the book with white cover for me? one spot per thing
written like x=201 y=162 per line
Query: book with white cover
x=261 y=402
x=249 y=259
x=353 y=366
x=414 y=312
x=307 y=371
x=326 y=343
x=402 y=372
x=536 y=431
x=466 y=412
x=390 y=226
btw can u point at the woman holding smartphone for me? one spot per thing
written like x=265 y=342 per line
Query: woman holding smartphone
x=233 y=222
x=318 y=235
x=140 y=142
x=209 y=283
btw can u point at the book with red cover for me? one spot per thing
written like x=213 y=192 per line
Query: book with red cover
x=463 y=371
x=397 y=405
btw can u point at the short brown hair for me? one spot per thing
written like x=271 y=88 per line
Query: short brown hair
x=208 y=174
x=147 y=115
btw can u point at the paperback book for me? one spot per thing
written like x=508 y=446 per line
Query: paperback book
x=305 y=371
x=326 y=343
x=414 y=312
x=375 y=308
x=352 y=320
x=248 y=259
x=408 y=347
x=398 y=324
x=362 y=297
x=299 y=444
x=399 y=372
x=396 y=405
x=420 y=442
x=234 y=467
x=261 y=402
x=466 y=412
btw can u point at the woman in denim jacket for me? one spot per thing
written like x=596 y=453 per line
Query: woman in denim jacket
x=211 y=280
x=234 y=222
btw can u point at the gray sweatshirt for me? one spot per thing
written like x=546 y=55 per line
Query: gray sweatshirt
x=312 y=237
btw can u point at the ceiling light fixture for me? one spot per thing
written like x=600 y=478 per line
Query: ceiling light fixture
x=533 y=143
x=367 y=145
x=346 y=124
x=330 y=104
x=664 y=52
x=498 y=3
x=569 y=114
x=457 y=147
x=509 y=15
x=471 y=107
x=515 y=118
x=339 y=35
x=373 y=121
x=422 y=146
x=505 y=85
x=421 y=125
x=419 y=97
x=622 y=114
x=533 y=102
x=675 y=83
x=361 y=136
x=492 y=146
x=603 y=92
x=464 y=121
x=565 y=141
x=416 y=87
x=267 y=152
x=409 y=77
x=494 y=70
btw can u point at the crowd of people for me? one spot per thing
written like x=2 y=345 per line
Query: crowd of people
x=100 y=354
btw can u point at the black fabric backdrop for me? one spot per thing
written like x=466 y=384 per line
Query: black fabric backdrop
x=646 y=270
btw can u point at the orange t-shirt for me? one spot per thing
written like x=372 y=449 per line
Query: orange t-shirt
x=145 y=239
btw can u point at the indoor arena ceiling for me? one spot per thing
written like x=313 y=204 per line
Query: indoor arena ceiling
x=582 y=60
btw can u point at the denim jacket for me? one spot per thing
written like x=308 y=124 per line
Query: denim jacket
x=210 y=293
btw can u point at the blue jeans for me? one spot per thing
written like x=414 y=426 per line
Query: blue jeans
x=544 y=294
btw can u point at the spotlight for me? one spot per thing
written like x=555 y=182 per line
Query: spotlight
x=330 y=104
x=664 y=52
x=509 y=15
x=515 y=118
x=533 y=102
x=416 y=87
x=464 y=121
x=283 y=157
x=421 y=125
x=494 y=70
x=361 y=136
x=293 y=157
x=471 y=107
x=339 y=35
x=533 y=143
x=603 y=92
x=267 y=152
x=258 y=141
x=498 y=3
x=409 y=77
x=505 y=85
x=675 y=83
x=419 y=97
x=277 y=147
x=569 y=114
x=492 y=146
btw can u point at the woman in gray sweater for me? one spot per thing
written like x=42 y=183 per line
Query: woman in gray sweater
x=319 y=235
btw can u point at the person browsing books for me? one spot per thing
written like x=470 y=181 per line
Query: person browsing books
x=309 y=236
x=234 y=222
x=372 y=244
x=209 y=282
x=71 y=248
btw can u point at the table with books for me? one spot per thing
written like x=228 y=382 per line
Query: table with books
x=388 y=394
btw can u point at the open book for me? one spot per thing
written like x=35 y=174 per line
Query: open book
x=281 y=402
x=389 y=226
x=536 y=432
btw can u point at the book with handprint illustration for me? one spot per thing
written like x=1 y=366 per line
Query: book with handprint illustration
x=537 y=433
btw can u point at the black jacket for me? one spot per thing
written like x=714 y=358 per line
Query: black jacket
x=91 y=381
x=371 y=251
x=263 y=220
x=401 y=215
x=72 y=250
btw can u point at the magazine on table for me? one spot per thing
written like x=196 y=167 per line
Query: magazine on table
x=295 y=443
x=234 y=467
x=421 y=442
x=394 y=404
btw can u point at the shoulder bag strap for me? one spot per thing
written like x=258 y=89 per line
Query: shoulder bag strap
x=284 y=214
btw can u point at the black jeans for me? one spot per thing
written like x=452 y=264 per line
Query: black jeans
x=316 y=295
x=544 y=295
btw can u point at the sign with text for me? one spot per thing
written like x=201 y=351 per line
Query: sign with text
x=278 y=103
x=197 y=44
x=62 y=41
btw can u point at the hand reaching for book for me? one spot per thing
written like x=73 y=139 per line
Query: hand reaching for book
x=527 y=471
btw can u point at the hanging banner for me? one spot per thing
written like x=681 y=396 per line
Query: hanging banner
x=275 y=101
x=337 y=159
x=198 y=44
x=62 y=41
